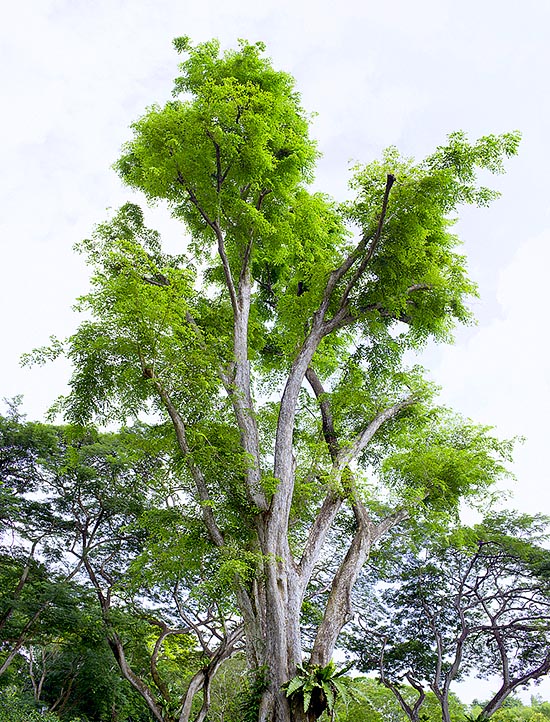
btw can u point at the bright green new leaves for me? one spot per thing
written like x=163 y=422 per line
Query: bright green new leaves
x=415 y=275
x=151 y=330
x=232 y=151
x=232 y=157
x=443 y=461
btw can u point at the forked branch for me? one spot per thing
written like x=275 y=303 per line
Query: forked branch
x=350 y=453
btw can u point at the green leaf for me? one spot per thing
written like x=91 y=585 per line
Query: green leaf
x=328 y=689
x=307 y=698
x=292 y=685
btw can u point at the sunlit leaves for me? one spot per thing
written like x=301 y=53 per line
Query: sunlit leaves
x=447 y=461
x=233 y=149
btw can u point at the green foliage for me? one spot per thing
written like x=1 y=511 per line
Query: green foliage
x=317 y=688
x=139 y=303
x=12 y=709
x=449 y=460
x=250 y=695
x=513 y=710
x=232 y=157
x=239 y=123
x=193 y=340
x=88 y=493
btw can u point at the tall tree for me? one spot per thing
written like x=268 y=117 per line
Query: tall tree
x=275 y=346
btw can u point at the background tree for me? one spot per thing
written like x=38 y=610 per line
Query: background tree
x=376 y=703
x=96 y=507
x=513 y=710
x=31 y=590
x=281 y=288
x=474 y=602
x=72 y=672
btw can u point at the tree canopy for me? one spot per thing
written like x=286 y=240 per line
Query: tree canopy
x=271 y=354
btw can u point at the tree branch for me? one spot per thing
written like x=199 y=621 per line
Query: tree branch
x=411 y=712
x=326 y=414
x=338 y=609
x=317 y=535
x=165 y=632
x=390 y=180
x=18 y=589
x=238 y=390
x=214 y=225
x=348 y=454
x=319 y=329
x=206 y=504
x=333 y=501
x=138 y=684
x=203 y=678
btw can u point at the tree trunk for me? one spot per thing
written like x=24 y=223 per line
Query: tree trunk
x=282 y=648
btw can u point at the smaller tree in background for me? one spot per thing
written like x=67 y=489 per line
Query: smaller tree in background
x=33 y=589
x=101 y=509
x=477 y=601
x=513 y=710
x=373 y=702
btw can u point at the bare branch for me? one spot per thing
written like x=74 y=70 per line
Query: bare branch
x=158 y=279
x=411 y=712
x=127 y=672
x=333 y=500
x=384 y=526
x=338 y=609
x=202 y=679
x=319 y=329
x=317 y=534
x=328 y=424
x=238 y=390
x=214 y=225
x=419 y=287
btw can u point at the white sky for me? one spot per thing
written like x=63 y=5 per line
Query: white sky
x=75 y=73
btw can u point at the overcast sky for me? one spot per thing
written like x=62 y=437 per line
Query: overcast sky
x=76 y=73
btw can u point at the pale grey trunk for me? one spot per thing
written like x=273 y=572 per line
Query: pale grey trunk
x=273 y=609
x=338 y=610
x=282 y=645
x=239 y=389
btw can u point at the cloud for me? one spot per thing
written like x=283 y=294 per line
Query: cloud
x=500 y=373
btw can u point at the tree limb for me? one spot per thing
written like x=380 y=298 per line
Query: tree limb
x=329 y=433
x=348 y=454
x=138 y=684
x=179 y=426
x=203 y=678
x=390 y=180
